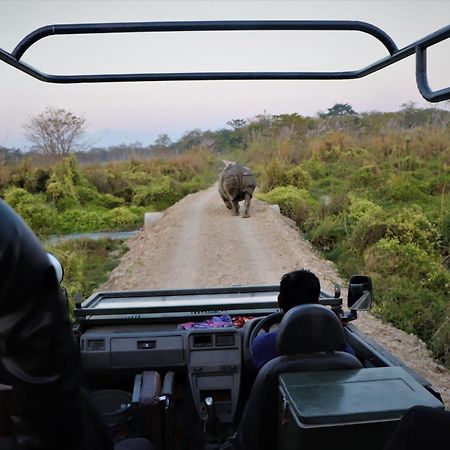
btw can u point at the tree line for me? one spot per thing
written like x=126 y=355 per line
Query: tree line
x=56 y=132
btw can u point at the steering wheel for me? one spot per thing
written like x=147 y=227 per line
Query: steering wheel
x=264 y=324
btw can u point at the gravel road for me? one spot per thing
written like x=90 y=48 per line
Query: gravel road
x=198 y=243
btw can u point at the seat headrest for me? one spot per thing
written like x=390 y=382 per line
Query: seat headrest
x=308 y=329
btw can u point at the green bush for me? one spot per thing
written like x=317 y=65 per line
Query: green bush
x=35 y=212
x=402 y=187
x=367 y=175
x=274 y=175
x=359 y=209
x=390 y=257
x=110 y=201
x=64 y=196
x=64 y=182
x=193 y=185
x=326 y=233
x=315 y=167
x=160 y=194
x=410 y=225
x=81 y=220
x=122 y=218
x=87 y=263
x=298 y=177
x=412 y=291
x=294 y=203
x=417 y=310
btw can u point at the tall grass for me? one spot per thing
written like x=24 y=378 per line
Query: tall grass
x=375 y=199
x=66 y=197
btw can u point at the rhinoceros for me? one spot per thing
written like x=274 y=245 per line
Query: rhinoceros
x=237 y=183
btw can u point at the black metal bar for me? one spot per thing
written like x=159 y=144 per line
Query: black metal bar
x=244 y=25
x=9 y=59
x=418 y=47
x=422 y=79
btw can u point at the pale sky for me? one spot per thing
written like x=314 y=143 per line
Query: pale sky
x=141 y=111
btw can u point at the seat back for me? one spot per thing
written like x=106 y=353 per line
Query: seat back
x=310 y=338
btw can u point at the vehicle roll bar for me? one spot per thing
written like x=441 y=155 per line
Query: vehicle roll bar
x=418 y=48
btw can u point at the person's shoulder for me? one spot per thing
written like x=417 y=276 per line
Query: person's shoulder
x=265 y=338
x=264 y=349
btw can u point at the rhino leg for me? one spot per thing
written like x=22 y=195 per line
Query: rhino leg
x=227 y=202
x=235 y=207
x=247 y=201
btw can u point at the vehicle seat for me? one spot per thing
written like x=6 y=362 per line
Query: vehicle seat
x=310 y=338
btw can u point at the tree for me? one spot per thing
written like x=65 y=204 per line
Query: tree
x=163 y=140
x=236 y=123
x=339 y=109
x=56 y=132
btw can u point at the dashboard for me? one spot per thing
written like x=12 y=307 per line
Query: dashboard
x=211 y=358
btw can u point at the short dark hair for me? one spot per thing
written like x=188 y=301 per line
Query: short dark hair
x=299 y=287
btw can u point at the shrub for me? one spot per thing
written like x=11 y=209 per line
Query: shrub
x=326 y=233
x=194 y=185
x=412 y=291
x=62 y=185
x=294 y=203
x=367 y=175
x=360 y=208
x=390 y=257
x=87 y=263
x=332 y=205
x=274 y=175
x=402 y=187
x=123 y=218
x=160 y=194
x=410 y=225
x=81 y=220
x=62 y=195
x=35 y=212
x=298 y=177
x=315 y=167
x=110 y=201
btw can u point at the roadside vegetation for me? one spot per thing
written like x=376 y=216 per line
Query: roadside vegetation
x=87 y=264
x=58 y=190
x=66 y=197
x=369 y=190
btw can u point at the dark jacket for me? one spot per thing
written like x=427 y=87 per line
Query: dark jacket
x=38 y=354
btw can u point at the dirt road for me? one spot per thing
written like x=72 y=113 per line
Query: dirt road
x=198 y=243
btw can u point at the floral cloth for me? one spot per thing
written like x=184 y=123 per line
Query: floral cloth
x=223 y=321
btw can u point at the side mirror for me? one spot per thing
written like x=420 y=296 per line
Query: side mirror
x=359 y=293
x=57 y=266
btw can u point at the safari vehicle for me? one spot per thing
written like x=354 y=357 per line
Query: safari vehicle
x=157 y=371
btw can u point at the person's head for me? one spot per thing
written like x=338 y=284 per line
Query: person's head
x=299 y=287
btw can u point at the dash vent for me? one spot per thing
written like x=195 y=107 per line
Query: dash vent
x=224 y=340
x=95 y=345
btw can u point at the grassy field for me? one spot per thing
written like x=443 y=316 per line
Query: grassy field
x=371 y=193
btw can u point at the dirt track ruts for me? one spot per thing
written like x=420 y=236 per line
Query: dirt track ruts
x=198 y=243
